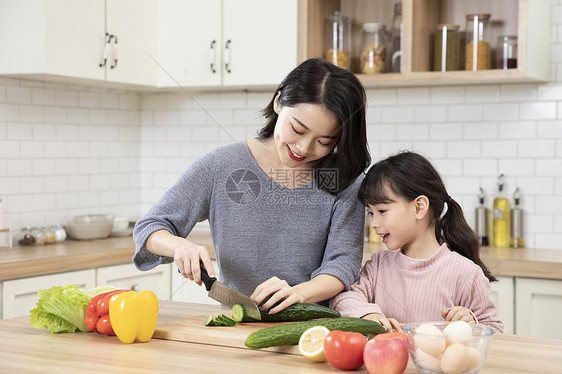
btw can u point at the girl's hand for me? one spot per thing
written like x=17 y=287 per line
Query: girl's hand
x=188 y=258
x=390 y=324
x=457 y=313
x=273 y=290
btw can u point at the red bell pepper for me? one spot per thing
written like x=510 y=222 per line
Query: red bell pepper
x=97 y=313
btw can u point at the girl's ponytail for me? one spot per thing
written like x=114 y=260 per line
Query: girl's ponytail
x=459 y=236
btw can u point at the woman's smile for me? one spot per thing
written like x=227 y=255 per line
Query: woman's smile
x=295 y=156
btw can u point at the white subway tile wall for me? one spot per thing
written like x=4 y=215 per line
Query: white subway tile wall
x=67 y=150
x=70 y=149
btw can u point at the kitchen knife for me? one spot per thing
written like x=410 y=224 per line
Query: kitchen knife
x=228 y=296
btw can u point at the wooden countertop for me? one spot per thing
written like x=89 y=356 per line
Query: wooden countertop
x=25 y=349
x=20 y=262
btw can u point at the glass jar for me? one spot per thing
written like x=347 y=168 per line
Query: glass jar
x=25 y=237
x=39 y=235
x=50 y=236
x=338 y=40
x=446 y=52
x=373 y=48
x=507 y=52
x=60 y=233
x=478 y=56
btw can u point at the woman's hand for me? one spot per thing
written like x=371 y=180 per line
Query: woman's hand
x=187 y=256
x=273 y=290
x=390 y=324
x=457 y=313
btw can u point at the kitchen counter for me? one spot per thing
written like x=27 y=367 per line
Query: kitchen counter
x=25 y=349
x=20 y=262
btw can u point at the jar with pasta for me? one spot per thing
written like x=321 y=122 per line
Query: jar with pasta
x=338 y=40
x=373 y=48
x=478 y=52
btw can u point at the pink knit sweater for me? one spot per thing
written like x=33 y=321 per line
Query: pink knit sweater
x=412 y=290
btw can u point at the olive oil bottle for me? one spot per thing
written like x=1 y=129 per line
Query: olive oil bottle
x=502 y=212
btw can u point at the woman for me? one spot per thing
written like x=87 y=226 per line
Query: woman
x=283 y=210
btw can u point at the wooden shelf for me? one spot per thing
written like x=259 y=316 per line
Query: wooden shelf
x=530 y=22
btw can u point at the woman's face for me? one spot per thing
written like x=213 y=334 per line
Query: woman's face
x=304 y=134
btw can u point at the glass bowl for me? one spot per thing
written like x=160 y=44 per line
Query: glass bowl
x=435 y=352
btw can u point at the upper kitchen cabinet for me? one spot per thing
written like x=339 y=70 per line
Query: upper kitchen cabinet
x=226 y=43
x=528 y=20
x=104 y=40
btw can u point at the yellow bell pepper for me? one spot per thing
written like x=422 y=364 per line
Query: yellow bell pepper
x=134 y=315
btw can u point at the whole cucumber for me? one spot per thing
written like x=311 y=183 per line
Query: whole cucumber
x=290 y=334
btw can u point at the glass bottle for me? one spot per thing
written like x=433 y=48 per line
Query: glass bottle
x=517 y=240
x=482 y=219
x=373 y=48
x=338 y=40
x=397 y=40
x=446 y=48
x=478 y=56
x=507 y=52
x=501 y=217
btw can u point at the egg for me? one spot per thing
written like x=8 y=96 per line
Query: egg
x=429 y=339
x=455 y=359
x=427 y=361
x=457 y=332
x=474 y=359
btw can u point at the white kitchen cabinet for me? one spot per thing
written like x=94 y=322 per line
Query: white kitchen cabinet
x=538 y=305
x=503 y=294
x=67 y=38
x=128 y=276
x=186 y=290
x=19 y=296
x=226 y=43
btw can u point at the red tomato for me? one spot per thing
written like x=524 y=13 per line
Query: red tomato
x=344 y=349
x=91 y=322
x=103 y=326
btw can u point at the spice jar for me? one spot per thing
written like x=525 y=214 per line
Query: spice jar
x=478 y=56
x=446 y=52
x=60 y=233
x=373 y=48
x=507 y=52
x=39 y=235
x=338 y=40
x=25 y=237
x=50 y=236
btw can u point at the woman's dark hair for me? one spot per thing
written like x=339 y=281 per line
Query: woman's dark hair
x=409 y=175
x=316 y=81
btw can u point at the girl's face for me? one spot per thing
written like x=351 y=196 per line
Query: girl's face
x=395 y=222
x=304 y=134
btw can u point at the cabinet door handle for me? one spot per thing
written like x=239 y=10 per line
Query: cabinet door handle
x=105 y=52
x=114 y=51
x=134 y=287
x=227 y=56
x=212 y=56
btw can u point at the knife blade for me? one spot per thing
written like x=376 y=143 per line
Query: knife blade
x=228 y=296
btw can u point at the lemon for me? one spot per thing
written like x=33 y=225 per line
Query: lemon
x=311 y=343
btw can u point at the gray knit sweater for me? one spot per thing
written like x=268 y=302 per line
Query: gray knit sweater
x=259 y=228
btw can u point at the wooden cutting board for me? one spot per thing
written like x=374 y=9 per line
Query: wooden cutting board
x=193 y=330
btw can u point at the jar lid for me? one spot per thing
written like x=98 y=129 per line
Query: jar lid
x=337 y=17
x=484 y=16
x=506 y=38
x=449 y=26
x=373 y=26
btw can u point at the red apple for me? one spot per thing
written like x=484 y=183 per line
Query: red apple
x=386 y=356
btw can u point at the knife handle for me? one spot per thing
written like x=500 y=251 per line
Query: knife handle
x=207 y=279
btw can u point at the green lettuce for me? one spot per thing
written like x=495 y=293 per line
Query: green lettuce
x=63 y=309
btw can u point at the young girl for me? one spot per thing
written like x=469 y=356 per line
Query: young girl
x=285 y=220
x=431 y=270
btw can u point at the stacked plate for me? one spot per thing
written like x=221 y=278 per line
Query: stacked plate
x=89 y=227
